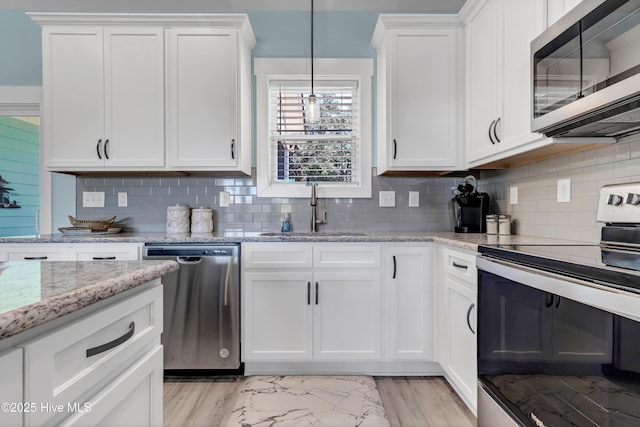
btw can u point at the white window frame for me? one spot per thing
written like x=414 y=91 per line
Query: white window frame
x=268 y=69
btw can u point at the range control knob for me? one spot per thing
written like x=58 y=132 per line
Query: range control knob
x=632 y=199
x=614 y=200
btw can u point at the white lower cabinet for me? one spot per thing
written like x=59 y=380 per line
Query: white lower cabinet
x=329 y=310
x=411 y=308
x=102 y=368
x=69 y=252
x=457 y=288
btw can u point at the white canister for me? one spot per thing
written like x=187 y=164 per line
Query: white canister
x=492 y=224
x=504 y=224
x=178 y=219
x=201 y=220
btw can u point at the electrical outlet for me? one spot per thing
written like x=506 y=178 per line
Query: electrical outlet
x=387 y=199
x=513 y=195
x=225 y=198
x=414 y=199
x=122 y=200
x=564 y=190
x=93 y=199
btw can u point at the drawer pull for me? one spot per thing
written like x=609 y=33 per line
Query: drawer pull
x=456 y=265
x=108 y=346
x=395 y=269
x=100 y=258
x=36 y=258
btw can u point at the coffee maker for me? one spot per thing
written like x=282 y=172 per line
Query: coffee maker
x=470 y=208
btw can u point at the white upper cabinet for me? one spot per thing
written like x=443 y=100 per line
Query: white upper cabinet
x=103 y=97
x=105 y=94
x=209 y=98
x=418 y=90
x=498 y=34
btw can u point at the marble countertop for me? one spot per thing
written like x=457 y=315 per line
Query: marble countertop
x=36 y=292
x=461 y=240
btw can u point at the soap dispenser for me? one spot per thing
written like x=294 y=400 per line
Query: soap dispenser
x=286 y=224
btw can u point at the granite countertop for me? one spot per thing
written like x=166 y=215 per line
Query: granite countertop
x=460 y=240
x=36 y=292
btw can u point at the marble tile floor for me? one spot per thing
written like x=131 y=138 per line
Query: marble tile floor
x=408 y=401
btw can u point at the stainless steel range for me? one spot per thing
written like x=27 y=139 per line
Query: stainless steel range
x=559 y=326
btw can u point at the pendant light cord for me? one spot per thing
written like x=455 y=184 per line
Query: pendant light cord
x=312 y=47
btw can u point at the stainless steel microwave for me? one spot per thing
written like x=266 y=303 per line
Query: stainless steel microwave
x=586 y=72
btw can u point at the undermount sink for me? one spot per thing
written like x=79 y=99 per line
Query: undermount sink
x=313 y=234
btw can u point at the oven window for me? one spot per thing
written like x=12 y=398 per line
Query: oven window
x=599 y=50
x=555 y=361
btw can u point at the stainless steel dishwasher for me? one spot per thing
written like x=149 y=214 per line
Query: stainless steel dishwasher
x=201 y=306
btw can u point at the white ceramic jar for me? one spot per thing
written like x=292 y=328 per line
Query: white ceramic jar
x=492 y=224
x=504 y=224
x=201 y=220
x=178 y=219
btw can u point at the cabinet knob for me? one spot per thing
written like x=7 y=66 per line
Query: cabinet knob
x=98 y=148
x=106 y=151
x=495 y=130
x=490 y=134
x=395 y=149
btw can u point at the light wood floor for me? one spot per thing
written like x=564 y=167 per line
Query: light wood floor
x=408 y=402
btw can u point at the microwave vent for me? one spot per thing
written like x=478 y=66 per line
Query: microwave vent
x=632 y=116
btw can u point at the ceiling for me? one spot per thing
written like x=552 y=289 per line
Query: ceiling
x=387 y=6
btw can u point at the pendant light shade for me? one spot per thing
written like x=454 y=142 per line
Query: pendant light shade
x=313 y=105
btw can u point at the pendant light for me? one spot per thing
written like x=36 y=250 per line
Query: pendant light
x=313 y=105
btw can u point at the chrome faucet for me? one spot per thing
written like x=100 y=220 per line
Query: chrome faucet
x=314 y=203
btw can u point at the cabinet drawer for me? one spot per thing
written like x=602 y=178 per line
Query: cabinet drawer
x=276 y=255
x=346 y=256
x=11 y=386
x=134 y=398
x=66 y=366
x=104 y=251
x=460 y=264
x=36 y=251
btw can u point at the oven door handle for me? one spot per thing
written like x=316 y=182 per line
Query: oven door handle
x=468 y=318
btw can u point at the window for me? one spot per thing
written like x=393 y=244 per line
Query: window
x=294 y=149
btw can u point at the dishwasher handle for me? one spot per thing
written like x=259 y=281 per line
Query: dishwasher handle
x=189 y=259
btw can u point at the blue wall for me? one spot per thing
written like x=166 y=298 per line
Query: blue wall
x=20 y=50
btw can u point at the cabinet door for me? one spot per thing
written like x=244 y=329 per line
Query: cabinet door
x=11 y=388
x=346 y=315
x=423 y=92
x=460 y=327
x=72 y=96
x=134 y=97
x=202 y=106
x=483 y=68
x=277 y=316
x=132 y=399
x=523 y=21
x=411 y=319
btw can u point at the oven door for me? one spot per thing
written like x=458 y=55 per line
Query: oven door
x=554 y=350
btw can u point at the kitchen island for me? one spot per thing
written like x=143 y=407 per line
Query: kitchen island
x=80 y=342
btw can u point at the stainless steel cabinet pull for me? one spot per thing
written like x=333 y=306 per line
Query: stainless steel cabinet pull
x=469 y=315
x=456 y=265
x=490 y=136
x=308 y=293
x=495 y=132
x=30 y=258
x=395 y=149
x=233 y=154
x=98 y=258
x=548 y=300
x=316 y=293
x=106 y=151
x=395 y=265
x=98 y=148
x=108 y=346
